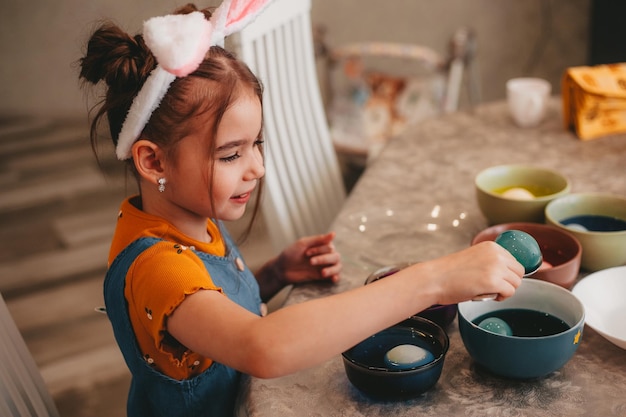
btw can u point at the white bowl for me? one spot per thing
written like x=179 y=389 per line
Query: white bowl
x=603 y=295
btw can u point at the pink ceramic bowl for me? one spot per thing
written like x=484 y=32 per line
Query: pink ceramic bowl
x=561 y=251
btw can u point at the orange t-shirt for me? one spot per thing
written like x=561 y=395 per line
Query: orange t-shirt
x=158 y=281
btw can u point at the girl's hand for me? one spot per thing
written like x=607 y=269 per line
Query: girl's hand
x=310 y=258
x=485 y=268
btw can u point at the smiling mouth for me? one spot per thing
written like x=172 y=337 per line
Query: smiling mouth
x=242 y=196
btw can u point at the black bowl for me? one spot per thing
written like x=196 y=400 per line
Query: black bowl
x=442 y=314
x=365 y=366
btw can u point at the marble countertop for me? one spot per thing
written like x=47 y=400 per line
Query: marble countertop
x=416 y=200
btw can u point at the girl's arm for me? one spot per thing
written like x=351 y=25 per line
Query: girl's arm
x=303 y=335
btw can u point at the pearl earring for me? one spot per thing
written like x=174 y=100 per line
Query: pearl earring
x=161 y=182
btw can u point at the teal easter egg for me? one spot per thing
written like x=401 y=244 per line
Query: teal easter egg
x=496 y=325
x=523 y=247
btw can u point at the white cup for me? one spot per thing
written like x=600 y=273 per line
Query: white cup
x=528 y=100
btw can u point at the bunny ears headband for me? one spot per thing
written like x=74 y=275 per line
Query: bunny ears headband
x=179 y=43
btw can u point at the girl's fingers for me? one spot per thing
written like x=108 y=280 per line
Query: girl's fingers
x=320 y=250
x=331 y=272
x=330 y=258
x=318 y=240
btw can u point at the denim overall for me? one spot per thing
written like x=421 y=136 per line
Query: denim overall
x=152 y=393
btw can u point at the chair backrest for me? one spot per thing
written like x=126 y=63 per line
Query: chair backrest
x=304 y=186
x=23 y=392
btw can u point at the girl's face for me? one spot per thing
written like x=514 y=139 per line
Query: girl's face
x=237 y=165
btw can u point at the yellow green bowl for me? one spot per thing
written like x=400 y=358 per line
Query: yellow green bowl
x=493 y=187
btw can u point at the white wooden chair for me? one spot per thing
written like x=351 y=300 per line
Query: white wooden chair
x=23 y=392
x=304 y=186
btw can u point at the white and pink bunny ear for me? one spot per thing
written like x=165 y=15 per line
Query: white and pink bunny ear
x=242 y=12
x=234 y=15
x=180 y=43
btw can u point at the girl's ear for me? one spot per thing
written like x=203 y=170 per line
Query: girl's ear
x=149 y=160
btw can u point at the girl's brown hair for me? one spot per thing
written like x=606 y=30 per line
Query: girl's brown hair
x=124 y=63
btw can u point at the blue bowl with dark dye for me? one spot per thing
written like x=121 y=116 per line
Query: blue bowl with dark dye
x=442 y=314
x=598 y=222
x=546 y=323
x=368 y=371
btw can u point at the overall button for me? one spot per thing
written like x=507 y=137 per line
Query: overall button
x=239 y=263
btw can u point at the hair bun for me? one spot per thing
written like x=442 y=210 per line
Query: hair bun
x=122 y=61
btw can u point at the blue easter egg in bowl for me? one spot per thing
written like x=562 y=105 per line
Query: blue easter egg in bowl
x=527 y=336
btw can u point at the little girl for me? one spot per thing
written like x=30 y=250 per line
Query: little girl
x=186 y=311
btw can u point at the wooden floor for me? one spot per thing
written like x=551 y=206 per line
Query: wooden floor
x=57 y=213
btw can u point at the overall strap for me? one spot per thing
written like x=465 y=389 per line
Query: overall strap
x=115 y=302
x=153 y=394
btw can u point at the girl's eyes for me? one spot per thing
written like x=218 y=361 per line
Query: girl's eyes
x=231 y=158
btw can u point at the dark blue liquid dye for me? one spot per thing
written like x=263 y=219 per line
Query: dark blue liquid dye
x=372 y=351
x=527 y=323
x=597 y=223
